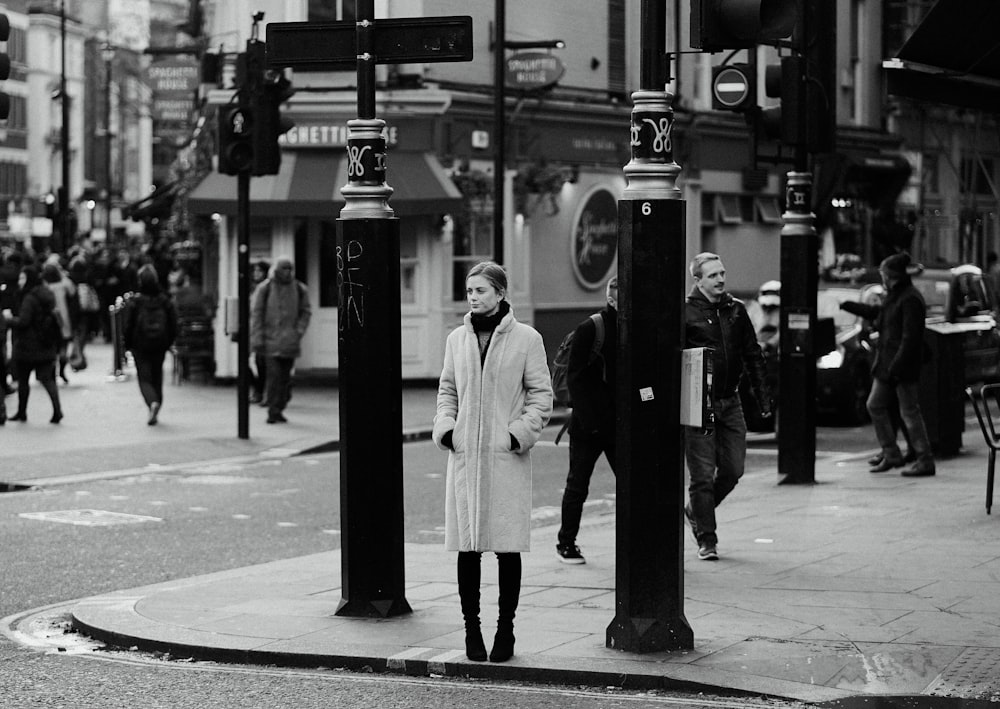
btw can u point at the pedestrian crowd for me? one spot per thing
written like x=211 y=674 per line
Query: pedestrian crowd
x=53 y=305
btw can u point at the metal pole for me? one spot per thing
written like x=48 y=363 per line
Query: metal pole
x=799 y=282
x=499 y=128
x=63 y=238
x=649 y=569
x=243 y=294
x=370 y=352
x=109 y=183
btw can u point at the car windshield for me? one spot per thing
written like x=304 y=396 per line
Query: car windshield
x=828 y=306
x=955 y=294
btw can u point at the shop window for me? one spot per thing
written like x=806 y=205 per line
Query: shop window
x=727 y=209
x=408 y=264
x=327 y=264
x=708 y=216
x=472 y=242
x=977 y=175
x=768 y=210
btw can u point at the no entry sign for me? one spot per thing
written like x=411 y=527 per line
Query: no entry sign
x=732 y=87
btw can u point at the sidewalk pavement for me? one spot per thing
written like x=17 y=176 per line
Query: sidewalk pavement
x=856 y=586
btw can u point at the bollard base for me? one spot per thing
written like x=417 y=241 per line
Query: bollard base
x=650 y=634
x=373 y=608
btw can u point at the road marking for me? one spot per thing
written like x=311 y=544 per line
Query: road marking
x=88 y=518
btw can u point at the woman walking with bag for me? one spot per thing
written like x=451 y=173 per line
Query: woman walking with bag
x=150 y=330
x=494 y=399
x=37 y=335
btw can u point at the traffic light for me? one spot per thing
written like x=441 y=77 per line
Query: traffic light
x=734 y=87
x=783 y=82
x=740 y=24
x=270 y=124
x=4 y=66
x=235 y=139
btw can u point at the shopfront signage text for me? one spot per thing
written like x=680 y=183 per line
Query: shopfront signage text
x=594 y=241
x=533 y=70
x=327 y=135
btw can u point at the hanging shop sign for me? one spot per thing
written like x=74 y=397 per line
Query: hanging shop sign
x=533 y=70
x=594 y=240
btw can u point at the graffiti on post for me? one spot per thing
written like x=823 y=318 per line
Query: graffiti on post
x=350 y=275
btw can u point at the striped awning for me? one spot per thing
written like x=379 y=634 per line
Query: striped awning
x=309 y=182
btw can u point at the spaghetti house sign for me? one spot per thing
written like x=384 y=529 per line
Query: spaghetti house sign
x=533 y=70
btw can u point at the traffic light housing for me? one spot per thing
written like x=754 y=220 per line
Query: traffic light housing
x=783 y=82
x=235 y=138
x=4 y=66
x=717 y=25
x=270 y=124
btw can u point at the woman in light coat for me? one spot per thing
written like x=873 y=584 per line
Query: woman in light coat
x=494 y=399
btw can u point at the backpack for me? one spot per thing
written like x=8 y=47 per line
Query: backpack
x=151 y=325
x=560 y=363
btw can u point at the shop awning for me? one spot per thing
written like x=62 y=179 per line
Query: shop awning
x=309 y=183
x=953 y=57
x=155 y=205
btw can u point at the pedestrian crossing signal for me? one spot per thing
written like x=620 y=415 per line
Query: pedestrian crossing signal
x=235 y=140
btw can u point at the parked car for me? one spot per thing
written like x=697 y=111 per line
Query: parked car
x=843 y=375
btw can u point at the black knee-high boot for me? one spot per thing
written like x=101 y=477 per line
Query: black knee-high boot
x=468 y=593
x=510 y=591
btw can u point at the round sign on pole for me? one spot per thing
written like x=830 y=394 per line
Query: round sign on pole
x=731 y=87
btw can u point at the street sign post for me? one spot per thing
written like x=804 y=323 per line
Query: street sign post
x=370 y=367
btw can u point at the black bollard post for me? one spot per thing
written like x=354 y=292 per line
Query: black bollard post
x=649 y=578
x=371 y=381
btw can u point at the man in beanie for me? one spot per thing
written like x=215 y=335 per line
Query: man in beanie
x=896 y=370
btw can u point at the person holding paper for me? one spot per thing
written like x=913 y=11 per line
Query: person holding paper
x=716 y=456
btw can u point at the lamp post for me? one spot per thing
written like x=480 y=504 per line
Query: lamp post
x=500 y=44
x=108 y=54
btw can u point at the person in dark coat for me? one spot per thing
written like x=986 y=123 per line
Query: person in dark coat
x=149 y=332
x=896 y=370
x=591 y=383
x=33 y=350
x=716 y=457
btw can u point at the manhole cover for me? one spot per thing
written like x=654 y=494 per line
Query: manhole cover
x=88 y=518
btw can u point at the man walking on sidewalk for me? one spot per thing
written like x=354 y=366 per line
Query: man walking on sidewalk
x=279 y=317
x=590 y=377
x=716 y=456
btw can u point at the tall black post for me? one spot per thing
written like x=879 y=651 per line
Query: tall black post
x=649 y=573
x=371 y=380
x=799 y=282
x=499 y=127
x=243 y=295
x=63 y=238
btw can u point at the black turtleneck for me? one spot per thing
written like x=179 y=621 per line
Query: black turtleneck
x=484 y=325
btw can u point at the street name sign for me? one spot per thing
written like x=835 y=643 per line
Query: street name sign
x=332 y=45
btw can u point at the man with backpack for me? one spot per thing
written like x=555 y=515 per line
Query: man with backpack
x=149 y=332
x=590 y=383
x=279 y=317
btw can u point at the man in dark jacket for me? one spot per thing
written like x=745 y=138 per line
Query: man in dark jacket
x=896 y=370
x=591 y=383
x=716 y=456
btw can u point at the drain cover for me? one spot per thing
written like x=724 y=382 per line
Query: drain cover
x=973 y=674
x=89 y=518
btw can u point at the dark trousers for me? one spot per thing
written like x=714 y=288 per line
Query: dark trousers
x=260 y=378
x=279 y=382
x=149 y=372
x=715 y=461
x=585 y=447
x=45 y=373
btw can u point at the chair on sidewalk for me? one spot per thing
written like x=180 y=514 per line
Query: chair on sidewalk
x=989 y=429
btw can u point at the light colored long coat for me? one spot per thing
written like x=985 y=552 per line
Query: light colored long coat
x=488 y=486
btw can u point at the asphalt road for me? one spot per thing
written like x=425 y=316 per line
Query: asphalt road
x=218 y=516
